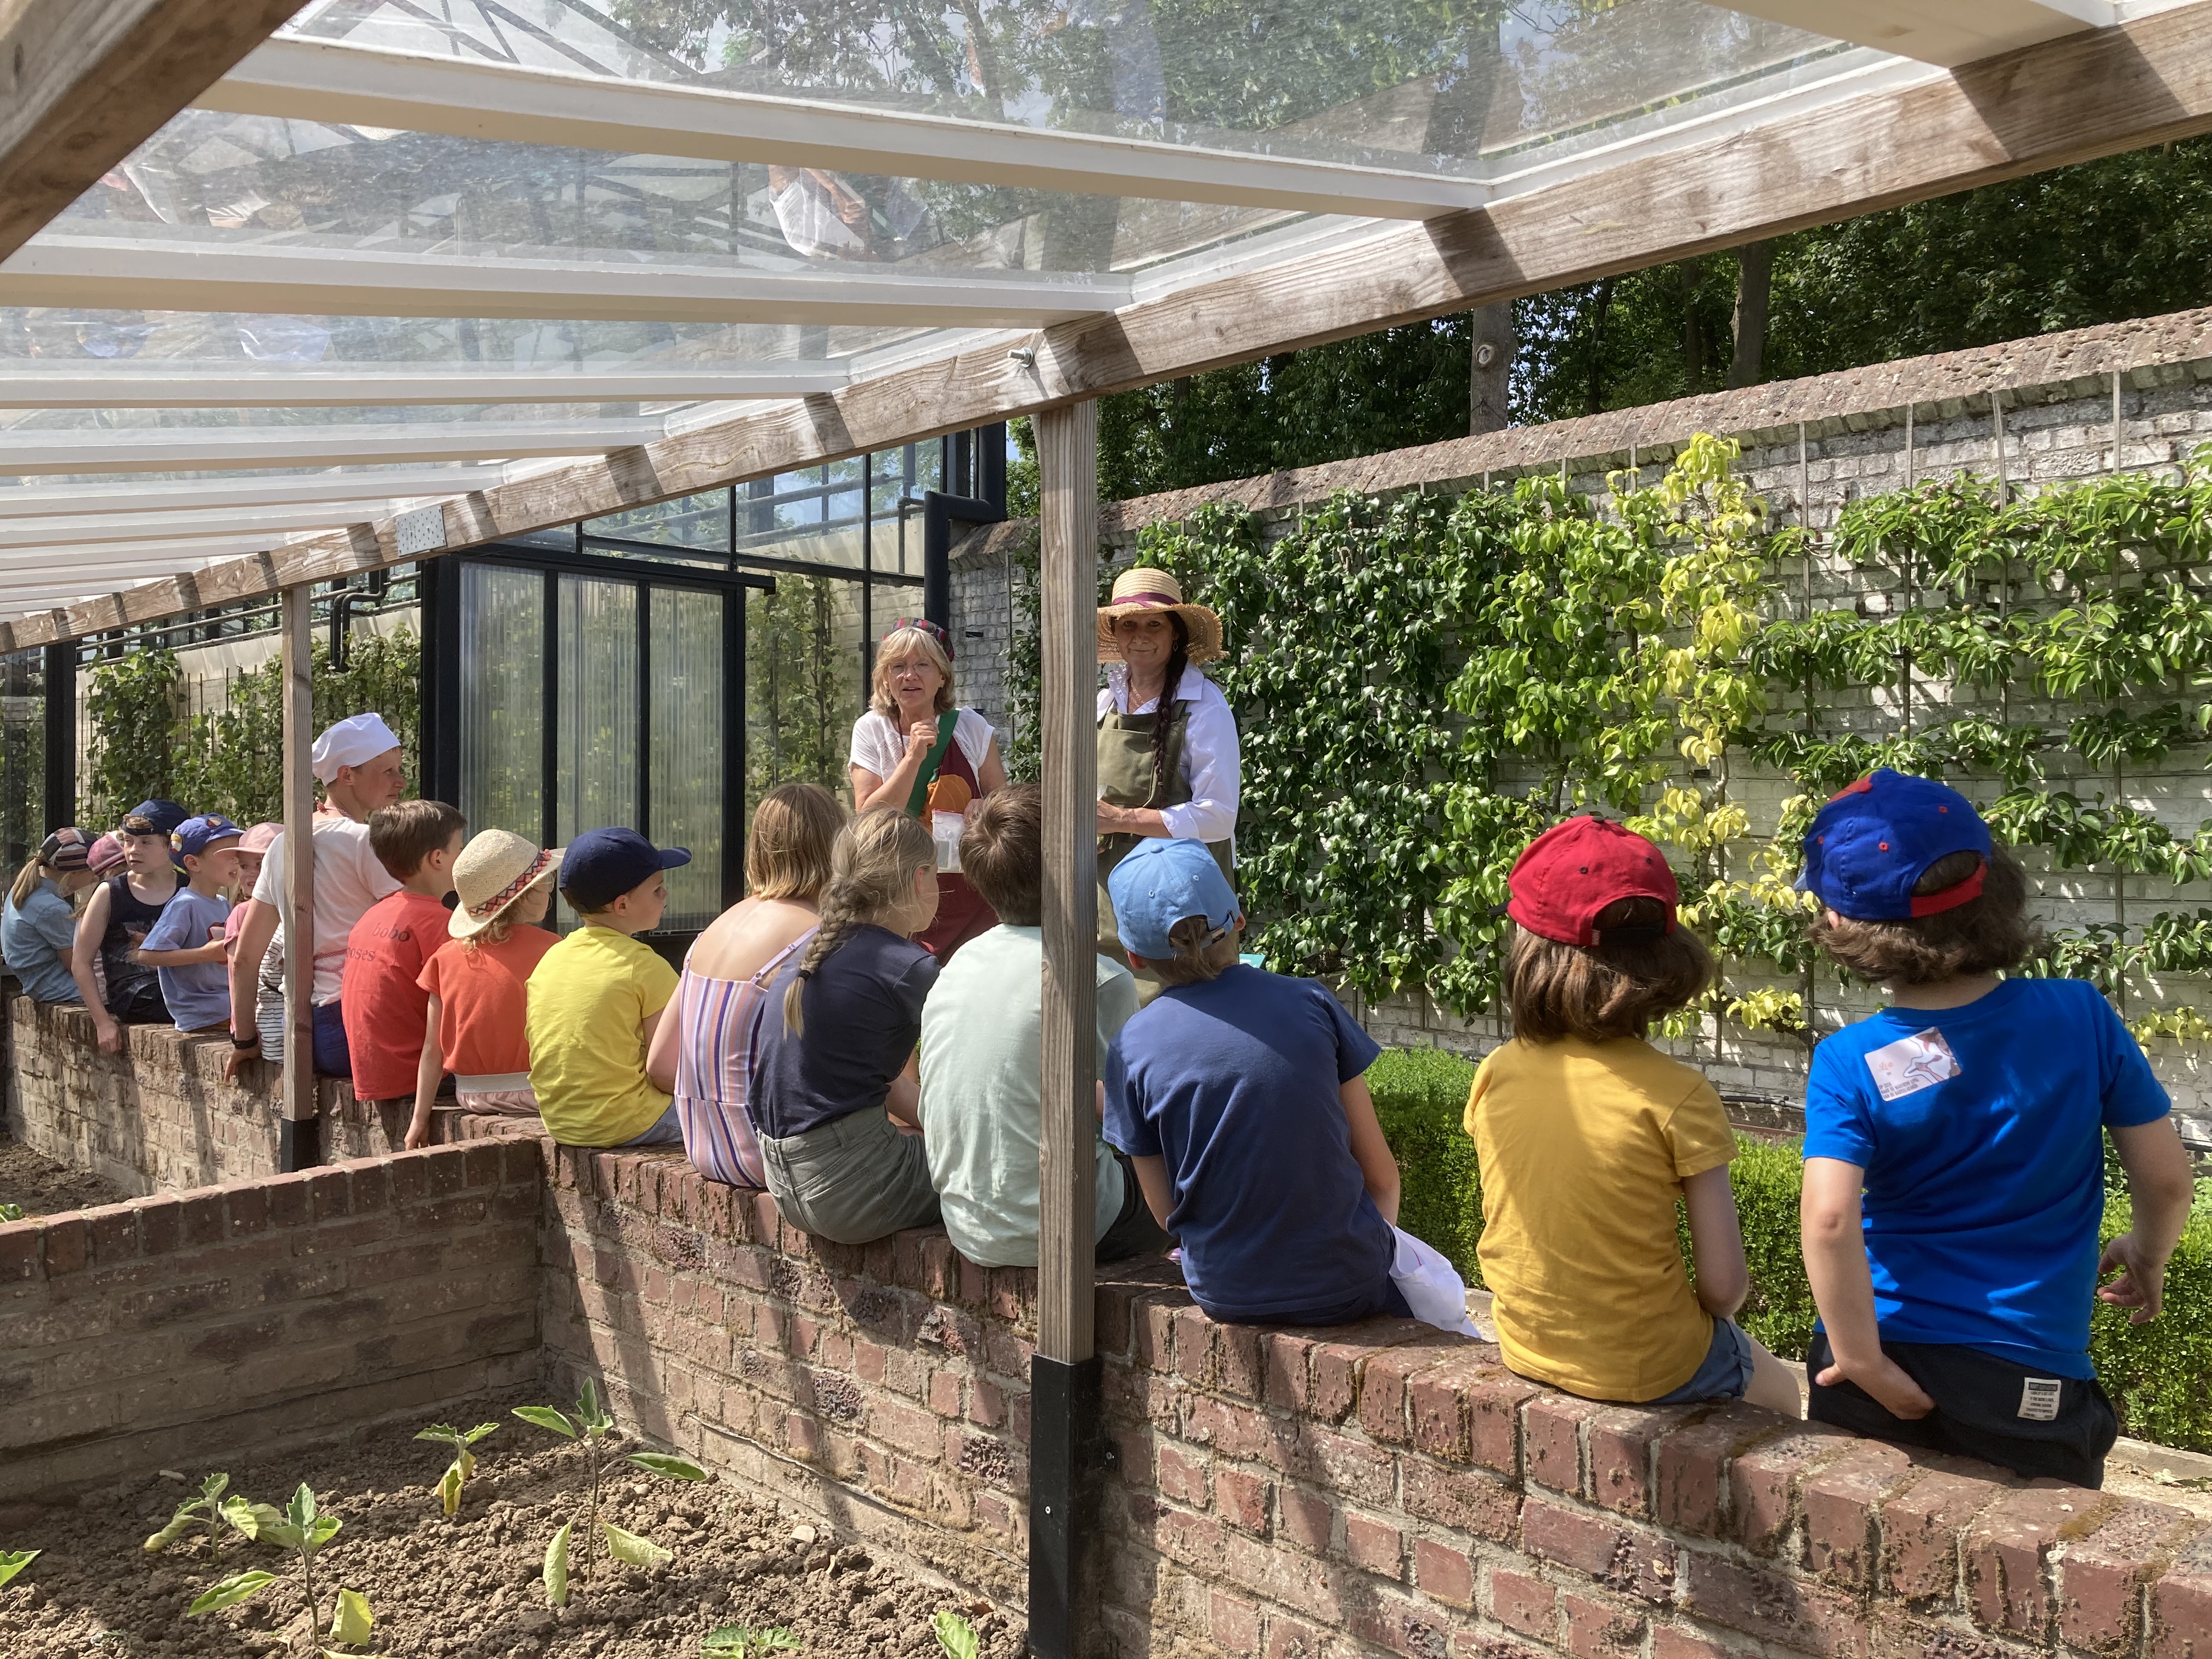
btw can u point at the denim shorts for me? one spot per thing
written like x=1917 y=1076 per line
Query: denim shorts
x=1725 y=1374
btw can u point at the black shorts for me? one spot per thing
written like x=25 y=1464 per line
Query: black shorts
x=1996 y=1410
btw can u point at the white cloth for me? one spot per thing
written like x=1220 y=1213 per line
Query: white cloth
x=1431 y=1285
x=350 y=742
x=1210 y=762
x=880 y=744
x=348 y=880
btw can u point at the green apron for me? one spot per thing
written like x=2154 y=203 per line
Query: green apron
x=1125 y=779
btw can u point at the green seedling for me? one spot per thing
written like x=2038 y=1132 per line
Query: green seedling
x=593 y=1426
x=465 y=1461
x=956 y=1635
x=205 y=1510
x=14 y=1561
x=301 y=1527
x=741 y=1642
x=11 y=1212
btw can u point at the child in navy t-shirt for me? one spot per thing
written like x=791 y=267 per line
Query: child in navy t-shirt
x=1238 y=1095
x=1954 y=1298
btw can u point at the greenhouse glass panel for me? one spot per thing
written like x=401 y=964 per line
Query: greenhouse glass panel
x=687 y=736
x=502 y=712
x=597 y=763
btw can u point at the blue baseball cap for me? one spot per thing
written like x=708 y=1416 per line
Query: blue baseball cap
x=1162 y=882
x=164 y=814
x=602 y=865
x=1873 y=841
x=194 y=835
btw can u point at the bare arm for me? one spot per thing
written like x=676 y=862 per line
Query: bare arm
x=903 y=1103
x=91 y=928
x=649 y=1031
x=253 y=944
x=660 y=1053
x=427 y=1071
x=1153 y=1177
x=188 y=956
x=1842 y=1288
x=1377 y=1165
x=991 y=775
x=870 y=790
x=1717 y=1242
x=2159 y=1191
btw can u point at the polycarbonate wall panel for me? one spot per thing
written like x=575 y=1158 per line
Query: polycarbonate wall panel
x=695 y=524
x=687 y=737
x=803 y=666
x=503 y=703
x=596 y=761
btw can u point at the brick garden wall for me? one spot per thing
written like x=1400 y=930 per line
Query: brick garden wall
x=1318 y=1495
x=166 y=1330
x=158 y=1117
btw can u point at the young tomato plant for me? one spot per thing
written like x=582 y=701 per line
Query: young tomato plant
x=593 y=1426
x=14 y=1561
x=302 y=1529
x=955 y=1635
x=465 y=1461
x=741 y=1642
x=205 y=1510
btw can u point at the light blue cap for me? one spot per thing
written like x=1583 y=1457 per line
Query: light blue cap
x=1162 y=882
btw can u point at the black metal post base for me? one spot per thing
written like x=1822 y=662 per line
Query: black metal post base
x=1064 y=1458
x=299 y=1144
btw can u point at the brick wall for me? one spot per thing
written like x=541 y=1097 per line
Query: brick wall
x=158 y=1117
x=1320 y=1494
x=167 y=1331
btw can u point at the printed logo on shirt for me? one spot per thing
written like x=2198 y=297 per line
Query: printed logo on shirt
x=1911 y=1064
x=2039 y=1399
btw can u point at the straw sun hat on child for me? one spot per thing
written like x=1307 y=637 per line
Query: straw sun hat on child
x=1139 y=589
x=494 y=870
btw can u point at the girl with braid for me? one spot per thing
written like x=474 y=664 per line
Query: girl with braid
x=1168 y=765
x=832 y=1092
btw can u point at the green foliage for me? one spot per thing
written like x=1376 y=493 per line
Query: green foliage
x=1420 y=1099
x=303 y=1528
x=743 y=1642
x=589 y=1423
x=205 y=1510
x=2155 y=1371
x=14 y=1561
x=11 y=1212
x=133 y=706
x=956 y=1637
x=464 y=1463
x=804 y=685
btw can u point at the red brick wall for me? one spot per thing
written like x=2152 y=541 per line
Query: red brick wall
x=168 y=1330
x=1304 y=1495
x=158 y=1117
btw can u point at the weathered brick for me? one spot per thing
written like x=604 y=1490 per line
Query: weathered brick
x=1765 y=1482
x=1233 y=1430
x=1619 y=1556
x=1523 y=1603
x=1241 y=1500
x=1921 y=1525
x=1551 y=1440
x=1460 y=1499
x=1677 y=1642
x=2104 y=1567
x=1444 y=1572
x=1620 y=1441
x=1809 y=1618
x=1467 y=1407
x=1306 y=1520
x=1233 y=1622
x=1600 y=1630
x=1386 y=1379
x=1693 y=1462
x=2005 y=1550
x=1184 y=1477
x=1842 y=1504
x=1373 y=1546
x=2181 y=1604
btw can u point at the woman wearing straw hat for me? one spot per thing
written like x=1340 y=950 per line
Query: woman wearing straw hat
x=915 y=749
x=479 y=979
x=1168 y=764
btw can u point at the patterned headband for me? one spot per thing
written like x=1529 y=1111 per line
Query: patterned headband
x=924 y=625
x=512 y=890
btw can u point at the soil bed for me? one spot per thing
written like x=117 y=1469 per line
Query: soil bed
x=468 y=1589
x=43 y=1187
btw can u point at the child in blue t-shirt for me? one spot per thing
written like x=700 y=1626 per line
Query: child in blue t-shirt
x=1239 y=1098
x=1954 y=1297
x=186 y=944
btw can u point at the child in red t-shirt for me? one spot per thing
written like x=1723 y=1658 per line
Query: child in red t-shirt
x=478 y=982
x=416 y=842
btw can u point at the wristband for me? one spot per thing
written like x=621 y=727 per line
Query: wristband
x=244 y=1043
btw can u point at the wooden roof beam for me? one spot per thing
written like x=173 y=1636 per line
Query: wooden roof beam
x=1947 y=32
x=2141 y=83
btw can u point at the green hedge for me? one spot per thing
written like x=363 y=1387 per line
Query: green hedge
x=2154 y=1372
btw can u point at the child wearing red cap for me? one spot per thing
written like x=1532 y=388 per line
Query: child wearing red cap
x=1587 y=1135
x=1954 y=1152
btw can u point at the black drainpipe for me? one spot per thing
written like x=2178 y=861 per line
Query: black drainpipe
x=938 y=510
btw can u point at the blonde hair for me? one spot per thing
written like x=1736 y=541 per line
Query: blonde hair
x=787 y=855
x=898 y=645
x=871 y=867
x=502 y=925
x=1198 y=960
x=27 y=882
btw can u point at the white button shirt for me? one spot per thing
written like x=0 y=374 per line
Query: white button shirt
x=1210 y=763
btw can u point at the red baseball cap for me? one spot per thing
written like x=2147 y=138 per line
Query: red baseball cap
x=1571 y=871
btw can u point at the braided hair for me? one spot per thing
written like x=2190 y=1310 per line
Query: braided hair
x=871 y=867
x=1164 y=710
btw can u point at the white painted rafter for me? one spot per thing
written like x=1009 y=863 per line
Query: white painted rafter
x=1947 y=32
x=170 y=496
x=216 y=449
x=326 y=80
x=328 y=386
x=92 y=530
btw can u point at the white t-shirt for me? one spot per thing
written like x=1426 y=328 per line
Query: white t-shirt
x=348 y=880
x=879 y=746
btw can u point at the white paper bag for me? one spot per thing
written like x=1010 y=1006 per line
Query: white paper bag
x=1431 y=1285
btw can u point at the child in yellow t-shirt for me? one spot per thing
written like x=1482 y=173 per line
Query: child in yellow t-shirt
x=1587 y=1135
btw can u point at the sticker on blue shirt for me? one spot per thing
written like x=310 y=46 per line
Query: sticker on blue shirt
x=1911 y=1064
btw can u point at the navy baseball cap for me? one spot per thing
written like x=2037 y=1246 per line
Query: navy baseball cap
x=1873 y=841
x=1162 y=882
x=164 y=814
x=194 y=835
x=600 y=865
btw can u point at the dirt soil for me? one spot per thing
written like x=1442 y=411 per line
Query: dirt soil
x=43 y=1187
x=467 y=1588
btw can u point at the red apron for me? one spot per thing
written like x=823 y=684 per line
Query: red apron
x=961 y=912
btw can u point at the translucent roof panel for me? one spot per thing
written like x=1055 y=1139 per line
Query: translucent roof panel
x=1432 y=84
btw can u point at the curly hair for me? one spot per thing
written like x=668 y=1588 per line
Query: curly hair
x=1614 y=989
x=1984 y=935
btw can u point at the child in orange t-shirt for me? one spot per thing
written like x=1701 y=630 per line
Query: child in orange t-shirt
x=416 y=842
x=479 y=980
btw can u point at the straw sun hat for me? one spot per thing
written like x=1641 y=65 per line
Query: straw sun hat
x=1142 y=588
x=494 y=870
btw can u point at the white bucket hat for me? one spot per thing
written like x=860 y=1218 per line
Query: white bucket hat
x=494 y=870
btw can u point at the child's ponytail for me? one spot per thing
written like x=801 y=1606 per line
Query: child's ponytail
x=871 y=867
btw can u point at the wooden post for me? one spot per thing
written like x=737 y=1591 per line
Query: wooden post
x=300 y=1147
x=1064 y=1374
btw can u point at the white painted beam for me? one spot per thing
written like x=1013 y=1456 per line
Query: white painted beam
x=1947 y=33
x=88 y=566
x=92 y=530
x=222 y=449
x=419 y=92
x=338 y=385
x=167 y=495
x=235 y=276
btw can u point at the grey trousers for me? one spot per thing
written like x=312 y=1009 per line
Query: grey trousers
x=853 y=1181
